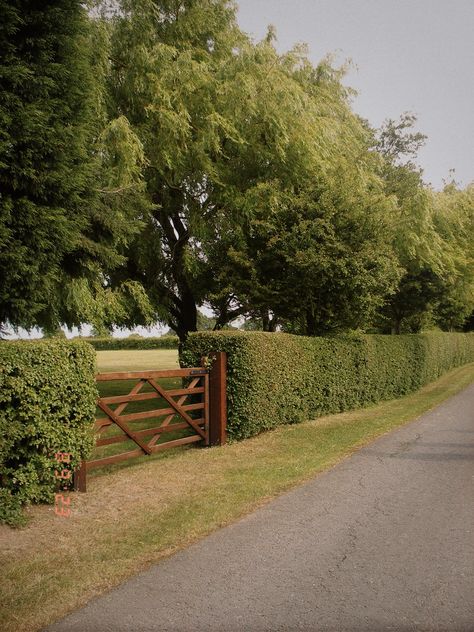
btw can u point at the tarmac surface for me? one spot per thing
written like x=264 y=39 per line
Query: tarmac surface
x=383 y=541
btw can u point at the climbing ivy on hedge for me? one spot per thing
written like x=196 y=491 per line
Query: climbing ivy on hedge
x=47 y=405
x=276 y=378
x=115 y=344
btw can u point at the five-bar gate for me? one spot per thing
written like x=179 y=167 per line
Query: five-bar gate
x=195 y=412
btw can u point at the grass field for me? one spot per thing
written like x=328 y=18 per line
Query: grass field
x=137 y=360
x=132 y=517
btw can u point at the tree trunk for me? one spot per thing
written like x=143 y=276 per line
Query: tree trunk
x=311 y=329
x=265 y=321
x=186 y=319
x=269 y=322
x=396 y=326
x=177 y=236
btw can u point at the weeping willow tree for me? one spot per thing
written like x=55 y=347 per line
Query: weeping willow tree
x=242 y=143
x=169 y=77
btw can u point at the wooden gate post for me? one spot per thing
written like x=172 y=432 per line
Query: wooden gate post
x=80 y=478
x=218 y=398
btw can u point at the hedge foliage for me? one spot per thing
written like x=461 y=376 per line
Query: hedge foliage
x=276 y=378
x=116 y=344
x=47 y=405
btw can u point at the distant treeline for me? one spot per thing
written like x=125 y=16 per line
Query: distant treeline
x=112 y=344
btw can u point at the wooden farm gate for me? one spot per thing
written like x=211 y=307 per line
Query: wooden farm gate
x=205 y=391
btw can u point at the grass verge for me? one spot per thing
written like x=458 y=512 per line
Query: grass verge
x=132 y=517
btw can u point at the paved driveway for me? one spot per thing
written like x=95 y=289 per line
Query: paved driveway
x=383 y=541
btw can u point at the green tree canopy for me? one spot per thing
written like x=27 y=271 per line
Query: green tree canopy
x=257 y=173
x=154 y=159
x=454 y=220
x=419 y=247
x=59 y=157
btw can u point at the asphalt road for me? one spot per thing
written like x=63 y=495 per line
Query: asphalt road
x=383 y=541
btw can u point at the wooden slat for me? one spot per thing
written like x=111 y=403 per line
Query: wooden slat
x=102 y=423
x=128 y=455
x=131 y=397
x=108 y=460
x=147 y=414
x=110 y=440
x=117 y=399
x=179 y=409
x=193 y=383
x=147 y=375
x=176 y=442
x=144 y=433
x=158 y=412
x=185 y=391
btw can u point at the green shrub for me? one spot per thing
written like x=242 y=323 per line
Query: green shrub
x=276 y=378
x=116 y=344
x=47 y=405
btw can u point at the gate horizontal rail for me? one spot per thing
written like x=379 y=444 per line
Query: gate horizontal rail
x=209 y=428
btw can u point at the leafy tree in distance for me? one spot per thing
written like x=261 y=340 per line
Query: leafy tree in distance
x=313 y=250
x=454 y=221
x=397 y=141
x=312 y=264
x=419 y=247
x=229 y=123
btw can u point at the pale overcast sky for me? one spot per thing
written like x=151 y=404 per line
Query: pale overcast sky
x=411 y=55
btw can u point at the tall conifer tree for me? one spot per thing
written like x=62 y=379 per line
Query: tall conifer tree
x=59 y=158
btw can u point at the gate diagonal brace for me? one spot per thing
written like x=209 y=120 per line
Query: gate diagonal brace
x=123 y=426
x=181 y=401
x=135 y=390
x=177 y=408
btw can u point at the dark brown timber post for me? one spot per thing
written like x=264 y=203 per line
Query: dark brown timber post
x=218 y=398
x=80 y=477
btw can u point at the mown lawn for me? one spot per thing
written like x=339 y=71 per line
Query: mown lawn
x=132 y=517
x=137 y=360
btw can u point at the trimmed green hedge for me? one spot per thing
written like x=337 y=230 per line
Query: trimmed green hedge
x=276 y=378
x=47 y=405
x=116 y=344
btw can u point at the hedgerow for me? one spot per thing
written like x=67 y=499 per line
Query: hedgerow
x=276 y=378
x=116 y=344
x=47 y=405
